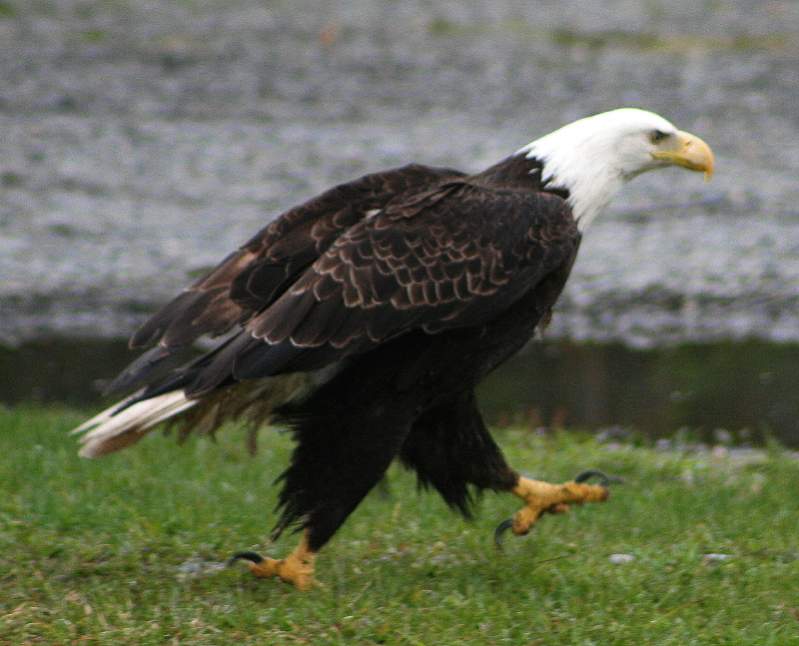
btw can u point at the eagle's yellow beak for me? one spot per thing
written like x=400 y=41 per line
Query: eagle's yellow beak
x=688 y=151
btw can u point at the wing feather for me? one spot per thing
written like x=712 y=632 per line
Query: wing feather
x=253 y=277
x=452 y=258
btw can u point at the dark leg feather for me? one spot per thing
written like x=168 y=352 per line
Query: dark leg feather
x=343 y=449
x=450 y=448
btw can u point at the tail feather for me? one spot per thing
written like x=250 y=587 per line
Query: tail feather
x=118 y=427
x=104 y=415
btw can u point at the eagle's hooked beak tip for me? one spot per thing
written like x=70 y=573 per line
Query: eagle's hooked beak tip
x=691 y=152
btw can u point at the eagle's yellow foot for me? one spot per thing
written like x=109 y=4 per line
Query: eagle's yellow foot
x=297 y=568
x=544 y=497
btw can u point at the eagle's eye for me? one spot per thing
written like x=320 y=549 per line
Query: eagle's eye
x=656 y=136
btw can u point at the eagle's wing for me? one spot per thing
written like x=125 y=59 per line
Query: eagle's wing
x=452 y=256
x=252 y=277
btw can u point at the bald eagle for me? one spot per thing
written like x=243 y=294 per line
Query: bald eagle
x=364 y=318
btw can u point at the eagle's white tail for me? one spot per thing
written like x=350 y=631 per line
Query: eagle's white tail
x=109 y=432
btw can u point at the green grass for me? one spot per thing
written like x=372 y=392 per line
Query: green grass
x=105 y=551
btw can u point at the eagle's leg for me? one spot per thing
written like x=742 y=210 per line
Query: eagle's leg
x=544 y=497
x=297 y=568
x=345 y=441
x=450 y=449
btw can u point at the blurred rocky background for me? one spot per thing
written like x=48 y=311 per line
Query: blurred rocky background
x=141 y=141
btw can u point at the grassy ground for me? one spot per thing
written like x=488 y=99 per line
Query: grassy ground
x=126 y=550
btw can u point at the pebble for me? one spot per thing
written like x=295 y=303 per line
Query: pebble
x=197 y=567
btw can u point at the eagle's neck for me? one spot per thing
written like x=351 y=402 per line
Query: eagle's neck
x=572 y=161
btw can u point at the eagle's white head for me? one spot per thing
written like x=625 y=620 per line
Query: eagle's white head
x=592 y=158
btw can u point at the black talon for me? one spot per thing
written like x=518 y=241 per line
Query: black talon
x=245 y=556
x=604 y=479
x=503 y=527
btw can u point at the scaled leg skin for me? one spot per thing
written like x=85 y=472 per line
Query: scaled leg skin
x=544 y=497
x=297 y=568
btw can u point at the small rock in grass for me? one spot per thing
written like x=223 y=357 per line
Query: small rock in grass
x=195 y=567
x=664 y=444
x=720 y=452
x=618 y=559
x=722 y=436
x=717 y=557
x=611 y=434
